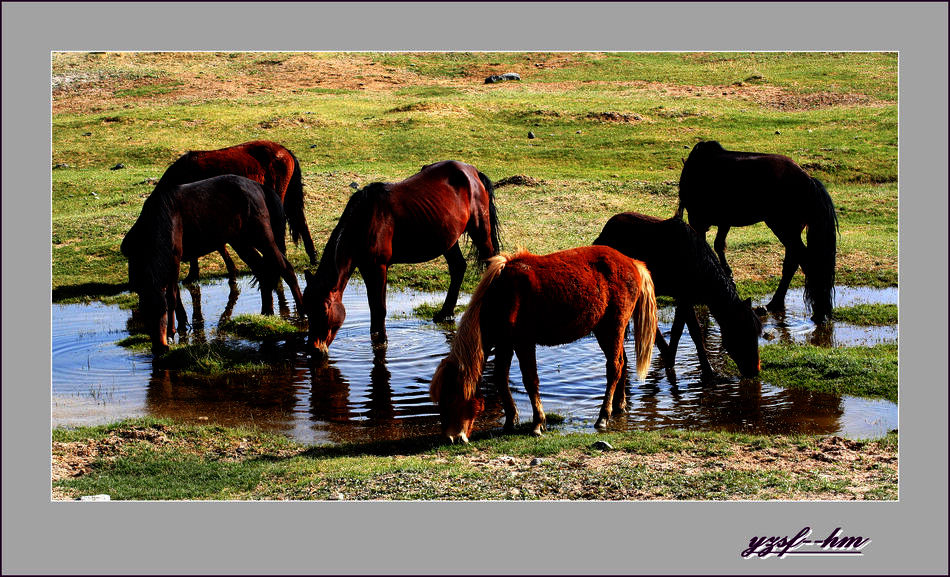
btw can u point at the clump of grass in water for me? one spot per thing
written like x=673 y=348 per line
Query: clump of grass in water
x=862 y=371
x=260 y=327
x=428 y=310
x=215 y=358
x=869 y=315
x=138 y=342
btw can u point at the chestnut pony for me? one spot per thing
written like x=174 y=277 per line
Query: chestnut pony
x=527 y=300
x=685 y=268
x=192 y=220
x=411 y=221
x=262 y=161
x=726 y=188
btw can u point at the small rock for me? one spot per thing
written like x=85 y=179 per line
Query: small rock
x=602 y=446
x=578 y=132
x=536 y=461
x=777 y=132
x=514 y=492
x=530 y=134
x=87 y=134
x=313 y=146
x=502 y=77
x=336 y=497
x=60 y=165
x=118 y=166
x=686 y=146
x=149 y=180
x=95 y=498
x=354 y=186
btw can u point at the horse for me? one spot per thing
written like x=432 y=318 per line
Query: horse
x=526 y=300
x=726 y=188
x=685 y=268
x=192 y=220
x=411 y=221
x=262 y=161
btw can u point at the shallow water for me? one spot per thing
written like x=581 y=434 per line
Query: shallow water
x=361 y=396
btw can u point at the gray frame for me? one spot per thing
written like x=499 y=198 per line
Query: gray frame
x=44 y=537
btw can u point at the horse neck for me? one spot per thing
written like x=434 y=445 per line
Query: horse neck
x=336 y=268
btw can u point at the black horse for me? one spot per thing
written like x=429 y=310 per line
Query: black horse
x=192 y=220
x=727 y=188
x=685 y=268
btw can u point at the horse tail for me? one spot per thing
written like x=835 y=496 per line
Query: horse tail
x=820 y=254
x=681 y=207
x=467 y=355
x=278 y=219
x=644 y=321
x=293 y=202
x=492 y=212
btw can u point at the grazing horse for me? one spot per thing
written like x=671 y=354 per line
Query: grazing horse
x=262 y=161
x=726 y=188
x=684 y=267
x=195 y=219
x=527 y=300
x=411 y=221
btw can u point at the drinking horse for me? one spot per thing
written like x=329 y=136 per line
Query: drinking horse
x=727 y=188
x=411 y=221
x=526 y=300
x=684 y=267
x=195 y=219
x=262 y=161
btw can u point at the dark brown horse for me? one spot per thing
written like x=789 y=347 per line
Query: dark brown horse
x=727 y=188
x=411 y=221
x=262 y=161
x=526 y=300
x=192 y=220
x=685 y=268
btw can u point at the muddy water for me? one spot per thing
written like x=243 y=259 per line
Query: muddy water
x=360 y=395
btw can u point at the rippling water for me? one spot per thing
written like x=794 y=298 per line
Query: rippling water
x=360 y=395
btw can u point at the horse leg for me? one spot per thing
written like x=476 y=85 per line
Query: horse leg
x=503 y=356
x=529 y=374
x=180 y=311
x=457 y=272
x=610 y=340
x=720 y=245
x=688 y=315
x=375 y=278
x=794 y=254
x=266 y=278
x=192 y=276
x=286 y=271
x=228 y=263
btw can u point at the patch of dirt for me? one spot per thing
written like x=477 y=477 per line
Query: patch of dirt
x=769 y=96
x=518 y=180
x=618 y=117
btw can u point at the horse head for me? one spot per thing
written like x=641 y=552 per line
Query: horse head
x=325 y=315
x=456 y=413
x=741 y=329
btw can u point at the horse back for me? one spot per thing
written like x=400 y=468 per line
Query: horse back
x=561 y=297
x=262 y=161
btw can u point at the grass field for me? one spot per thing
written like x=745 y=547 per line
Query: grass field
x=611 y=130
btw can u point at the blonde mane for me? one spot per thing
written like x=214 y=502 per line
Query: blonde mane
x=467 y=354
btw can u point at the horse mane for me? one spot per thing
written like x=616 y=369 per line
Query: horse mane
x=278 y=218
x=467 y=354
x=148 y=244
x=719 y=287
x=328 y=270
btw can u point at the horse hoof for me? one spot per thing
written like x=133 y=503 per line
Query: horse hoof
x=537 y=430
x=761 y=311
x=775 y=307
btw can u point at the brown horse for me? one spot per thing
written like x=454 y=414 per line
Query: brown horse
x=685 y=268
x=527 y=300
x=411 y=221
x=726 y=188
x=192 y=220
x=262 y=161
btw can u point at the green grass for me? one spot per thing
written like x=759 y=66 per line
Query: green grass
x=217 y=358
x=867 y=314
x=591 y=165
x=154 y=459
x=261 y=327
x=861 y=371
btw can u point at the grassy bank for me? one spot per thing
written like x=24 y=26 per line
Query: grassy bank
x=861 y=371
x=149 y=459
x=611 y=130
